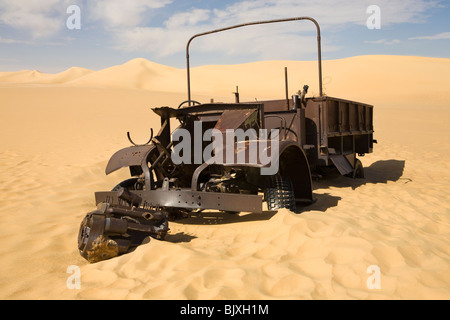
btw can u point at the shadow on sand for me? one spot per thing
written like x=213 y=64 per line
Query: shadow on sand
x=179 y=237
x=381 y=171
x=212 y=217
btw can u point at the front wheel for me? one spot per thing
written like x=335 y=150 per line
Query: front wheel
x=280 y=193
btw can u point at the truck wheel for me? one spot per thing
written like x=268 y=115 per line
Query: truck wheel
x=358 y=172
x=280 y=193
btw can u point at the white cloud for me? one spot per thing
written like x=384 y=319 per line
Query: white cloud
x=11 y=41
x=166 y=40
x=128 y=23
x=40 y=19
x=384 y=41
x=123 y=13
x=327 y=12
x=189 y=18
x=440 y=36
x=46 y=18
x=287 y=40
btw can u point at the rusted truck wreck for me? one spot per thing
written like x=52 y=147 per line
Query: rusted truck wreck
x=311 y=135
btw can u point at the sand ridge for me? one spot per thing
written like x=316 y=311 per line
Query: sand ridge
x=58 y=132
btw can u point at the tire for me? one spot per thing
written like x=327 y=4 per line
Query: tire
x=358 y=172
x=280 y=193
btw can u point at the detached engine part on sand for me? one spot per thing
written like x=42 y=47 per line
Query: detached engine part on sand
x=112 y=230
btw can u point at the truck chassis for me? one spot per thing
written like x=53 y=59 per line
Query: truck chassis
x=315 y=135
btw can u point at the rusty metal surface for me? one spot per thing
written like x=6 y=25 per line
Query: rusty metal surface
x=313 y=134
x=342 y=164
x=203 y=109
x=337 y=127
x=234 y=119
x=293 y=162
x=191 y=200
x=131 y=156
x=112 y=230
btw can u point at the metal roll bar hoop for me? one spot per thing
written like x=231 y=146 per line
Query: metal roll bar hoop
x=319 y=50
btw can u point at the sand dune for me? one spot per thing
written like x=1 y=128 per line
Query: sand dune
x=58 y=132
x=135 y=74
x=34 y=76
x=400 y=80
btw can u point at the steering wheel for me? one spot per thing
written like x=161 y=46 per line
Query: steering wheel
x=187 y=101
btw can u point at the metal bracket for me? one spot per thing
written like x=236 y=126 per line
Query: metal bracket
x=132 y=142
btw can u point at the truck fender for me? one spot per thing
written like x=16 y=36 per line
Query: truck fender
x=127 y=157
x=294 y=164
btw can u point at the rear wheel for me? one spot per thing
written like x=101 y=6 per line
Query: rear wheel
x=358 y=171
x=280 y=193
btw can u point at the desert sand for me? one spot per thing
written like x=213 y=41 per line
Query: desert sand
x=59 y=130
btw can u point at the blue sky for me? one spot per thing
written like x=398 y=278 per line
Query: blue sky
x=34 y=33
